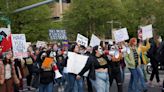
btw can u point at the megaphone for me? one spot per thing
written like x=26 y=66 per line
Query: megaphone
x=57 y=73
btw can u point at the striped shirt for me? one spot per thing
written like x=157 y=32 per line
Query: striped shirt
x=135 y=56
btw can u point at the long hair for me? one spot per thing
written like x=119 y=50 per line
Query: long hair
x=5 y=61
x=94 y=50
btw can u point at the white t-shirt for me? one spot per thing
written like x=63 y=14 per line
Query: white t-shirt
x=7 y=71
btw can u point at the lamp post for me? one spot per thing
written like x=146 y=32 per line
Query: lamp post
x=111 y=25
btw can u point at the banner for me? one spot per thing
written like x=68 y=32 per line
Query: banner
x=19 y=45
x=57 y=34
x=41 y=44
x=76 y=63
x=147 y=32
x=94 y=41
x=5 y=40
x=121 y=35
x=82 y=40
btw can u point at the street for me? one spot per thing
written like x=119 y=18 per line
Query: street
x=155 y=87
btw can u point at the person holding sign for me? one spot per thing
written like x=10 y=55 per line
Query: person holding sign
x=133 y=61
x=98 y=66
x=144 y=59
x=46 y=71
x=74 y=85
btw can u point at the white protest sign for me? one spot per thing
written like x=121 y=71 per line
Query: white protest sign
x=19 y=45
x=5 y=31
x=76 y=63
x=41 y=44
x=94 y=41
x=121 y=35
x=147 y=32
x=82 y=40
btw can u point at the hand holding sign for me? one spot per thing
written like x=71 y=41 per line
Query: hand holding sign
x=121 y=35
x=82 y=40
x=94 y=41
x=147 y=32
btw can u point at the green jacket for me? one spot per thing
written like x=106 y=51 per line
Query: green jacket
x=130 y=61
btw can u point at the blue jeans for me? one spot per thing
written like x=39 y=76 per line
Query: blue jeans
x=78 y=86
x=134 y=79
x=101 y=84
x=46 y=87
x=122 y=74
x=74 y=85
x=144 y=72
x=65 y=75
x=143 y=85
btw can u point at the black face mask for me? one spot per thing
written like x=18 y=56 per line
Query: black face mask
x=43 y=58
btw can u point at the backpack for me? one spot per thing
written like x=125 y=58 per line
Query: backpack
x=46 y=71
x=46 y=77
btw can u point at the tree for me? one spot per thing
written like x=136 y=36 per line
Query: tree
x=141 y=13
x=90 y=16
x=34 y=22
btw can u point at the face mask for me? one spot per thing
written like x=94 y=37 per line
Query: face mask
x=160 y=40
x=43 y=58
x=82 y=51
x=100 y=50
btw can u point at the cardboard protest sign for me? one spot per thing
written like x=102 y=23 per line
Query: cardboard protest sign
x=94 y=41
x=47 y=63
x=121 y=35
x=57 y=34
x=5 y=40
x=147 y=32
x=82 y=40
x=19 y=45
x=76 y=63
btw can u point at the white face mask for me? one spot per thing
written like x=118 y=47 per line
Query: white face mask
x=160 y=40
x=100 y=50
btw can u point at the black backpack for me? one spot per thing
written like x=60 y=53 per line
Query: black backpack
x=46 y=77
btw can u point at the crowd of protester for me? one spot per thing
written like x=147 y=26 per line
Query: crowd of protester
x=106 y=62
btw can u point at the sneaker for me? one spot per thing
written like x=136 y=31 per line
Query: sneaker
x=62 y=88
x=31 y=89
x=159 y=84
x=59 y=89
x=150 y=84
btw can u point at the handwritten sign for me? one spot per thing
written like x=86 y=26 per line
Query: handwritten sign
x=82 y=40
x=94 y=41
x=121 y=35
x=41 y=44
x=147 y=32
x=19 y=45
x=57 y=34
